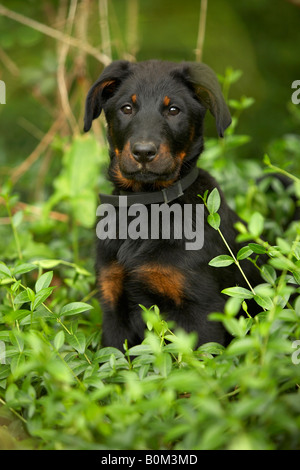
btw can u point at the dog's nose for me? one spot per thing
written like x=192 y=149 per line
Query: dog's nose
x=144 y=152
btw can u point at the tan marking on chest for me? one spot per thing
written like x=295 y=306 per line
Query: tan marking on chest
x=110 y=282
x=165 y=280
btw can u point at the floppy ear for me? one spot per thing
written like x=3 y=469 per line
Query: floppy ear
x=103 y=89
x=209 y=93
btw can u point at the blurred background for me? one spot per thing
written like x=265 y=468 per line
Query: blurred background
x=259 y=37
x=52 y=51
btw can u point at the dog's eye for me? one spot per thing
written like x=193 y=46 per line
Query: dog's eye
x=173 y=110
x=126 y=109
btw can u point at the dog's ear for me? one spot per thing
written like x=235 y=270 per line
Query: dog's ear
x=208 y=91
x=103 y=89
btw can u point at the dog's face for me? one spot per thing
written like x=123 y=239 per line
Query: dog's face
x=155 y=112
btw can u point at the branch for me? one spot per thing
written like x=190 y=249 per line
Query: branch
x=201 y=31
x=46 y=140
x=61 y=78
x=104 y=27
x=54 y=33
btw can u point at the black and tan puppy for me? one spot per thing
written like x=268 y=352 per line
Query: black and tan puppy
x=155 y=112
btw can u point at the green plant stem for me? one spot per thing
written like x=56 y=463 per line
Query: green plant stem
x=13 y=411
x=75 y=242
x=65 y=363
x=71 y=334
x=280 y=170
x=15 y=233
x=64 y=326
x=231 y=252
x=236 y=262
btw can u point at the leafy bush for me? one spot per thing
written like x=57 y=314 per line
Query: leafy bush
x=69 y=393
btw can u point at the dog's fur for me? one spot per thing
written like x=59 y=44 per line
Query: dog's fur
x=159 y=108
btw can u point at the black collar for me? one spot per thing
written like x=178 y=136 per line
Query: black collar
x=165 y=195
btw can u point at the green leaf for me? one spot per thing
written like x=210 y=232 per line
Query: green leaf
x=256 y=248
x=78 y=178
x=211 y=348
x=17 y=218
x=232 y=306
x=140 y=350
x=74 y=308
x=59 y=340
x=268 y=273
x=233 y=140
x=241 y=346
x=284 y=246
x=238 y=327
x=221 y=261
x=282 y=263
x=214 y=220
x=24 y=268
x=31 y=294
x=264 y=302
x=164 y=363
x=256 y=224
x=239 y=292
x=78 y=341
x=44 y=281
x=267 y=160
x=48 y=263
x=104 y=354
x=213 y=201
x=41 y=296
x=21 y=298
x=4 y=270
x=16 y=363
x=296 y=275
x=204 y=197
x=244 y=252
x=232 y=76
x=244 y=103
x=17 y=340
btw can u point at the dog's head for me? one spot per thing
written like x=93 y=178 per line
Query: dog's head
x=155 y=112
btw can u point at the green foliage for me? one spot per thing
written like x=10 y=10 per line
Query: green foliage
x=69 y=393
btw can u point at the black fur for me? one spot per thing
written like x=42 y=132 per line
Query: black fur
x=161 y=105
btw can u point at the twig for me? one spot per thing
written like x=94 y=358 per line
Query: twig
x=37 y=211
x=132 y=28
x=30 y=128
x=61 y=78
x=46 y=140
x=15 y=233
x=81 y=28
x=104 y=28
x=201 y=31
x=54 y=33
x=9 y=64
x=13 y=411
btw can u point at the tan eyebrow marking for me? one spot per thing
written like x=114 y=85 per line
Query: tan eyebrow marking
x=167 y=101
